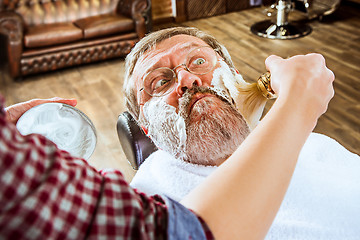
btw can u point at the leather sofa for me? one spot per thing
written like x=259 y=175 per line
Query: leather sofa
x=45 y=35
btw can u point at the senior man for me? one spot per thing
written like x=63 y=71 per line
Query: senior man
x=184 y=91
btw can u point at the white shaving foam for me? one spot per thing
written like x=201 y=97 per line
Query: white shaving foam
x=64 y=125
x=224 y=78
x=163 y=118
x=233 y=82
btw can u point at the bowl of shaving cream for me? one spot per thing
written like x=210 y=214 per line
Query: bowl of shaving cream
x=69 y=128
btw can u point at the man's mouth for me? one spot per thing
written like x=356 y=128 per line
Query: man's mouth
x=202 y=99
x=197 y=98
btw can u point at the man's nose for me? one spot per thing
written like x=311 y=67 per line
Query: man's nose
x=186 y=80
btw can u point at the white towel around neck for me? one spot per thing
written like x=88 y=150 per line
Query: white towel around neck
x=322 y=202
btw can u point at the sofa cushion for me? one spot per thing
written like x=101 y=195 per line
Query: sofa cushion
x=104 y=25
x=51 y=34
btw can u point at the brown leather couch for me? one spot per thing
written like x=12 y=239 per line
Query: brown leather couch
x=45 y=35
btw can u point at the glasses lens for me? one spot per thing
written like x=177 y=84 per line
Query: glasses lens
x=159 y=82
x=201 y=60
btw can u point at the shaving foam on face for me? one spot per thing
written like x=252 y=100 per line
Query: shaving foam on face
x=249 y=102
x=64 y=125
x=165 y=127
x=224 y=78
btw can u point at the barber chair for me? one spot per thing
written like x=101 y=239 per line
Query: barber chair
x=317 y=8
x=281 y=28
x=134 y=142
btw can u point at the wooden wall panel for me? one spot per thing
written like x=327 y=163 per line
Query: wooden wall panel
x=195 y=9
x=206 y=8
x=236 y=5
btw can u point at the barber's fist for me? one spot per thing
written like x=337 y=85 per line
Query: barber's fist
x=14 y=112
x=302 y=80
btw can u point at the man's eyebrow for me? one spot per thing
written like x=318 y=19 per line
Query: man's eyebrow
x=149 y=69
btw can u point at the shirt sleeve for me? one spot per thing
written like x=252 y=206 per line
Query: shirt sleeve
x=45 y=193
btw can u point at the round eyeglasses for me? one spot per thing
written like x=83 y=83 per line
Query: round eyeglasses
x=162 y=81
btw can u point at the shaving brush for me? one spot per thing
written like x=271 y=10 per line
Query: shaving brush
x=253 y=97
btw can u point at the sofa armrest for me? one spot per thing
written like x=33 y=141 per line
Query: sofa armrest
x=11 y=26
x=140 y=12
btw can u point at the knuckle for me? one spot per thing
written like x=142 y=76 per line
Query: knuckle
x=320 y=58
x=317 y=57
x=332 y=76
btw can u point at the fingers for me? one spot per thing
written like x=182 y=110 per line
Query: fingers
x=331 y=78
x=272 y=61
x=14 y=112
x=272 y=64
x=69 y=101
x=317 y=58
x=331 y=75
x=302 y=79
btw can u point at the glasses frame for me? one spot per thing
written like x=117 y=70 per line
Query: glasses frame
x=175 y=74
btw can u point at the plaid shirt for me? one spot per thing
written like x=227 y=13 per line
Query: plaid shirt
x=45 y=193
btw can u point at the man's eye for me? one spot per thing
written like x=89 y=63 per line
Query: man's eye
x=161 y=83
x=199 y=61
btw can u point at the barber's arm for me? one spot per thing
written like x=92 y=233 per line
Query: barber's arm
x=241 y=198
x=14 y=112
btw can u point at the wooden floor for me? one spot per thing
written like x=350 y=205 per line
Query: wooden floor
x=98 y=87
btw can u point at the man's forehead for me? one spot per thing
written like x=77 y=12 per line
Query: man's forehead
x=181 y=40
x=178 y=44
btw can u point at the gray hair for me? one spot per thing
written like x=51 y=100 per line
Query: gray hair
x=149 y=42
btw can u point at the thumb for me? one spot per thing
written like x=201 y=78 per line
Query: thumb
x=69 y=101
x=272 y=64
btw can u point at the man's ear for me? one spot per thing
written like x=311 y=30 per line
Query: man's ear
x=144 y=130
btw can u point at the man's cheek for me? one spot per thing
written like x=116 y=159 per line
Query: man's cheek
x=165 y=126
x=158 y=111
x=224 y=79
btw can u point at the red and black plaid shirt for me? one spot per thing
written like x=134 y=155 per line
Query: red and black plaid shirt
x=45 y=193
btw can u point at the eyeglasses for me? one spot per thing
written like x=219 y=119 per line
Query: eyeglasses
x=162 y=81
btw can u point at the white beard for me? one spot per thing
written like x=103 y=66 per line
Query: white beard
x=207 y=142
x=165 y=127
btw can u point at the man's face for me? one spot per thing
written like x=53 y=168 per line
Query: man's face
x=197 y=121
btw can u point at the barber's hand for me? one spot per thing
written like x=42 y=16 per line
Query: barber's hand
x=303 y=81
x=14 y=112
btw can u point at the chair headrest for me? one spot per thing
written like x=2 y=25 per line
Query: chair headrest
x=136 y=145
